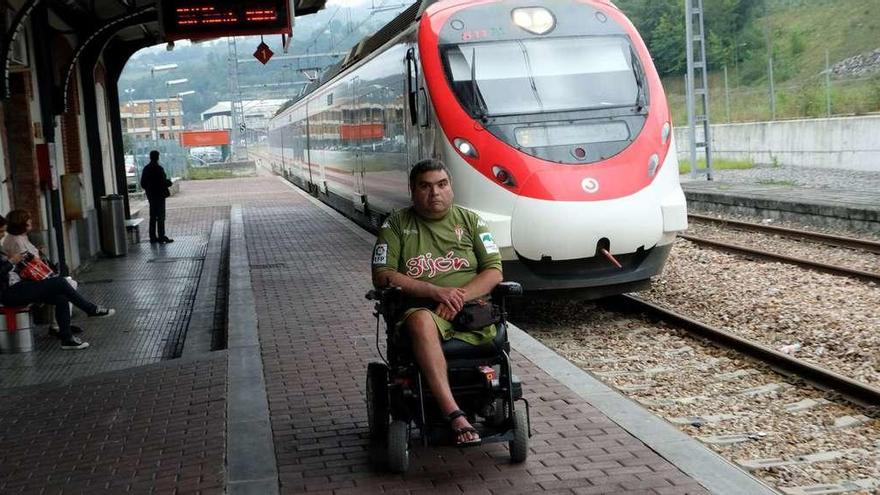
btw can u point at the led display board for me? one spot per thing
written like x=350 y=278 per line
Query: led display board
x=194 y=19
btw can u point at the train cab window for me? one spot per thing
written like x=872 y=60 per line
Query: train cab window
x=423 y=109
x=544 y=75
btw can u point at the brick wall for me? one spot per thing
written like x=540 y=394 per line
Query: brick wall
x=19 y=131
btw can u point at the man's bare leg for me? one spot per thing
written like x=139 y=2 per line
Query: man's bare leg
x=429 y=355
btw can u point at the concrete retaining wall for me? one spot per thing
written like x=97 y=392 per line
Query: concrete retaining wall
x=842 y=143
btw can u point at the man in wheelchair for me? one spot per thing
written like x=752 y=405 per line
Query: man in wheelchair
x=444 y=259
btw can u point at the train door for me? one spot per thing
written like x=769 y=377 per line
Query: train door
x=359 y=194
x=306 y=143
x=413 y=136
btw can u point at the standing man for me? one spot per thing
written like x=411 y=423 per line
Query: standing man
x=155 y=184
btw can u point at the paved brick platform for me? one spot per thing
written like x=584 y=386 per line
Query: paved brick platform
x=154 y=429
x=70 y=424
x=309 y=275
x=170 y=426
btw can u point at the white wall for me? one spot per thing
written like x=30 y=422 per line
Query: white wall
x=842 y=143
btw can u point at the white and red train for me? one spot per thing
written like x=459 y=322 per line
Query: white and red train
x=549 y=113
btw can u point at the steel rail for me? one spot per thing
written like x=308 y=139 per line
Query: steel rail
x=835 y=240
x=815 y=265
x=856 y=391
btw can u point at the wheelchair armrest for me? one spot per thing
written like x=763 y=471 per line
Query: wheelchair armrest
x=384 y=293
x=507 y=289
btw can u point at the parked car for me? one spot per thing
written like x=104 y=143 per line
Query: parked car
x=131 y=177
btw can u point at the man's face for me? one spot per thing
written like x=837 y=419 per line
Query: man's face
x=432 y=194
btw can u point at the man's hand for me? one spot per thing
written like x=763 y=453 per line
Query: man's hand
x=445 y=312
x=451 y=296
x=14 y=258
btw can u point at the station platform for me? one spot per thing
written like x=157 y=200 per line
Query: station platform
x=833 y=198
x=152 y=407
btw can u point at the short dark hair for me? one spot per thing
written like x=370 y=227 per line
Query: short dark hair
x=426 y=165
x=2 y=221
x=154 y=155
x=18 y=220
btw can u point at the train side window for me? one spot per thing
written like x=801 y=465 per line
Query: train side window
x=412 y=83
x=423 y=108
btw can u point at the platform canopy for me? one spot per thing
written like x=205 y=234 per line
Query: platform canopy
x=118 y=28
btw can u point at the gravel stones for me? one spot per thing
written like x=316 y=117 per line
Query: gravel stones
x=830 y=320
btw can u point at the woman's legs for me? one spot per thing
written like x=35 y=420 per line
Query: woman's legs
x=55 y=291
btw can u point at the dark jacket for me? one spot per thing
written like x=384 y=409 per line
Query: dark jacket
x=5 y=268
x=154 y=181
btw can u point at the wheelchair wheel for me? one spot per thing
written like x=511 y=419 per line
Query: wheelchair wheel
x=377 y=400
x=519 y=446
x=398 y=446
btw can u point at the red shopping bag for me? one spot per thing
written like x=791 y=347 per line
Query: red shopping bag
x=33 y=268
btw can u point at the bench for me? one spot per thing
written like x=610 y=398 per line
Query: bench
x=16 y=334
x=132 y=230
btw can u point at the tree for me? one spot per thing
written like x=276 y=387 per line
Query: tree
x=668 y=43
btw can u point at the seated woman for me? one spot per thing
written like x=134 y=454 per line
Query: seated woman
x=54 y=290
x=16 y=241
x=18 y=224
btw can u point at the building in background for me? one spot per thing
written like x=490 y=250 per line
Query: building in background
x=137 y=121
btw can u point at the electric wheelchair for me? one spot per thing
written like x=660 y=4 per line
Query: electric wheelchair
x=399 y=401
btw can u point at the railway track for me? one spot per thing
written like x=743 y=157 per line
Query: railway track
x=860 y=393
x=833 y=240
x=869 y=247
x=808 y=431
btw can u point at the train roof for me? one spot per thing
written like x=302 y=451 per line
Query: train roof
x=362 y=50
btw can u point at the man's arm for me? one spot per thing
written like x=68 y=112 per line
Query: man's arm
x=452 y=296
x=482 y=284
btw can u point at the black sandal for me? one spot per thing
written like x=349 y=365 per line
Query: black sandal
x=460 y=431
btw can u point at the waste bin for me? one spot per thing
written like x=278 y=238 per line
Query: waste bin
x=113 y=241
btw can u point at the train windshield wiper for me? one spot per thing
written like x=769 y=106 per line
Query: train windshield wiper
x=479 y=107
x=641 y=100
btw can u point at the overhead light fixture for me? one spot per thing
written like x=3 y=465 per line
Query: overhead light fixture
x=537 y=20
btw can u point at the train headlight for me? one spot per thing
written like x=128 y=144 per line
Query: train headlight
x=503 y=176
x=537 y=20
x=664 y=134
x=465 y=148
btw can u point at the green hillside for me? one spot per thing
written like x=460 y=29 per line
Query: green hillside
x=741 y=36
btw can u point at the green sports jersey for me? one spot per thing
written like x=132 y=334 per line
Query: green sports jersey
x=447 y=252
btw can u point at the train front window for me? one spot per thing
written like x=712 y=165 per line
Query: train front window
x=544 y=75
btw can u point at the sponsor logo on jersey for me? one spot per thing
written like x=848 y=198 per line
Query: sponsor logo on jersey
x=428 y=264
x=459 y=231
x=380 y=254
x=489 y=243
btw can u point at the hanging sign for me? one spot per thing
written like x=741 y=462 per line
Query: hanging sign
x=263 y=53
